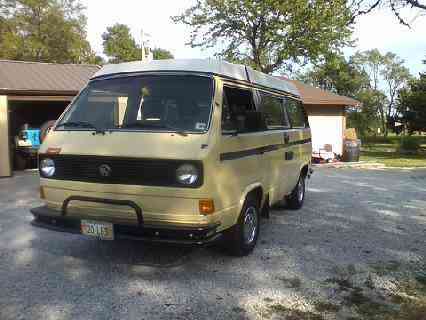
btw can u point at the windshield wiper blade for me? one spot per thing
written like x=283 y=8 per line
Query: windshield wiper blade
x=81 y=124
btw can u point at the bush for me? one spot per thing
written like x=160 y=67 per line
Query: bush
x=377 y=139
x=408 y=144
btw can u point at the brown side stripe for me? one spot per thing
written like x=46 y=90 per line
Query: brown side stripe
x=260 y=150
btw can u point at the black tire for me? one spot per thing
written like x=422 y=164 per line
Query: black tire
x=239 y=240
x=297 y=196
x=20 y=161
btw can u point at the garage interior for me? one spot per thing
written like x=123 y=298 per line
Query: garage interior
x=32 y=115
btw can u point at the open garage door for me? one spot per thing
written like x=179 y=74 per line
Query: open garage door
x=26 y=117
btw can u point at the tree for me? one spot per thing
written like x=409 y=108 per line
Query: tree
x=338 y=75
x=365 y=119
x=268 y=34
x=387 y=69
x=44 y=30
x=395 y=75
x=120 y=46
x=370 y=77
x=412 y=104
x=160 y=54
x=363 y=7
x=343 y=77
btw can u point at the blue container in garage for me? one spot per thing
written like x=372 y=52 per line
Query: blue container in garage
x=33 y=135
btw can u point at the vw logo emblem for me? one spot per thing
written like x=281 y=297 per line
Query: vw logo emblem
x=105 y=170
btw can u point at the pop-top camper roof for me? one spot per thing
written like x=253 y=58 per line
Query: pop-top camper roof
x=208 y=66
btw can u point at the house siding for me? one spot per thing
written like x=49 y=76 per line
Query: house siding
x=327 y=125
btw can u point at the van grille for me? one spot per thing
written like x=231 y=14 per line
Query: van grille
x=128 y=171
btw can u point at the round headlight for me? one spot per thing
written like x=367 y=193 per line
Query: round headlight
x=47 y=168
x=187 y=174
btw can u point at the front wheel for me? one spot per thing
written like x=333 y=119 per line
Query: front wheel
x=241 y=238
x=296 y=198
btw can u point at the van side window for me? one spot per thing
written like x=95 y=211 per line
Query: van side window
x=238 y=111
x=296 y=113
x=272 y=109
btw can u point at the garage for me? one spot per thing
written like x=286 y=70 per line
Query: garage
x=327 y=117
x=32 y=94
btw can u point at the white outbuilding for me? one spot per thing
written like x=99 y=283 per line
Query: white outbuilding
x=327 y=116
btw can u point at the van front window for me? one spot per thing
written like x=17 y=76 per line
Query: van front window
x=153 y=103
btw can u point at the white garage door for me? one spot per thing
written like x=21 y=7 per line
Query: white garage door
x=327 y=129
x=5 y=170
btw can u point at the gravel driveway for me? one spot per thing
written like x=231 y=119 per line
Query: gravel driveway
x=359 y=241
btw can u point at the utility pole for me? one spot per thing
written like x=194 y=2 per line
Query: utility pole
x=145 y=47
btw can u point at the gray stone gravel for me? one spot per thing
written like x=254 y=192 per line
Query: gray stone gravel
x=352 y=219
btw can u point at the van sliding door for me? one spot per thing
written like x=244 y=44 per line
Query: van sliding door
x=241 y=143
x=276 y=150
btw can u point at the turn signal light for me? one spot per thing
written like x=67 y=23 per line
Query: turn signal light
x=42 y=195
x=206 y=206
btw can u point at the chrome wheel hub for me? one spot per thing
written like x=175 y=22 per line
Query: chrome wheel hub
x=300 y=190
x=250 y=225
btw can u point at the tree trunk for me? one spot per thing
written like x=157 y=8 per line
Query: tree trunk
x=382 y=117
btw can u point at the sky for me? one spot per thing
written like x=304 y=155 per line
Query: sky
x=378 y=30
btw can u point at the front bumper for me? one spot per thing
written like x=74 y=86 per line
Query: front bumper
x=47 y=218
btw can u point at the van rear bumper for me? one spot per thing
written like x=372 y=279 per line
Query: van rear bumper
x=47 y=218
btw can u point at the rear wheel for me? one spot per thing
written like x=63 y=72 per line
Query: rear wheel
x=296 y=198
x=241 y=238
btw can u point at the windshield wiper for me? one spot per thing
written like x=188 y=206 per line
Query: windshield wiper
x=80 y=124
x=159 y=126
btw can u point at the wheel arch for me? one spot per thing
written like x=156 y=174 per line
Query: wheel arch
x=255 y=189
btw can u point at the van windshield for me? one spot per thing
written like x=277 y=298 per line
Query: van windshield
x=150 y=103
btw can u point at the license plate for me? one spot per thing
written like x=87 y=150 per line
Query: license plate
x=97 y=229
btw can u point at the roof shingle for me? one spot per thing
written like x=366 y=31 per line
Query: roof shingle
x=315 y=96
x=16 y=76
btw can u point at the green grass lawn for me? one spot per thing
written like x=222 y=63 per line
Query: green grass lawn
x=383 y=150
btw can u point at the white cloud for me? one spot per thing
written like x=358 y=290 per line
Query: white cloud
x=378 y=30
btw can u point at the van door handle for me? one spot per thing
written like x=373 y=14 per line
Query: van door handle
x=289 y=155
